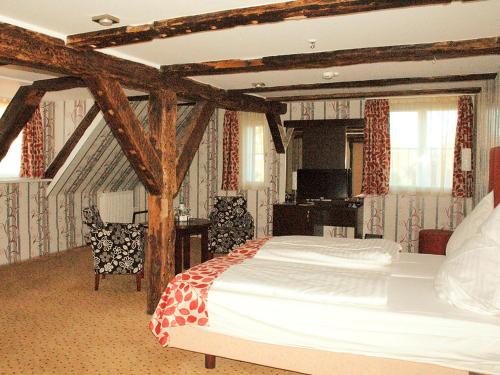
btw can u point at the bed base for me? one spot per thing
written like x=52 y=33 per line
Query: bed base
x=303 y=360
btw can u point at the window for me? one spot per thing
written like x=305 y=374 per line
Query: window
x=422 y=135
x=11 y=163
x=253 y=141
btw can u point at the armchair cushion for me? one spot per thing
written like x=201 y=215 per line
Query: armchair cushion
x=231 y=224
x=118 y=248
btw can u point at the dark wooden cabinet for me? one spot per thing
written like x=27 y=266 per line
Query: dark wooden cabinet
x=301 y=219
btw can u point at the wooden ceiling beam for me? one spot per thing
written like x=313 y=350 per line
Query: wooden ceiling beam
x=227 y=19
x=190 y=139
x=128 y=131
x=59 y=84
x=370 y=83
x=17 y=114
x=369 y=55
x=72 y=141
x=24 y=47
x=379 y=94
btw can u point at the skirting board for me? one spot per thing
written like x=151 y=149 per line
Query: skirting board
x=298 y=359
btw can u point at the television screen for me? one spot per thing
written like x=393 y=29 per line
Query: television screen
x=323 y=183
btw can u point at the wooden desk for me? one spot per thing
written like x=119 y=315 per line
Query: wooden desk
x=183 y=233
x=300 y=219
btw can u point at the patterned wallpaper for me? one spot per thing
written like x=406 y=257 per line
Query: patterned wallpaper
x=34 y=223
x=38 y=219
x=204 y=180
x=396 y=216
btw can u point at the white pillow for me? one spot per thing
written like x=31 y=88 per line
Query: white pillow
x=470 y=224
x=470 y=278
x=491 y=227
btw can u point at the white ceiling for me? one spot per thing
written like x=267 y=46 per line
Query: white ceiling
x=454 y=21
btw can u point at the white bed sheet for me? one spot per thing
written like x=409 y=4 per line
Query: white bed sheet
x=414 y=325
x=292 y=280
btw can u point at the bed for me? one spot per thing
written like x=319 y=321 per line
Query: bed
x=412 y=333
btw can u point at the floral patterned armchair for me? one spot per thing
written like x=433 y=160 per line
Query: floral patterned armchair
x=117 y=248
x=231 y=224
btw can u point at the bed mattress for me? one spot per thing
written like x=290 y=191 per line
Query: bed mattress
x=414 y=324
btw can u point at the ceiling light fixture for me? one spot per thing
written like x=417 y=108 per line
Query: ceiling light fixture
x=105 y=19
x=312 y=43
x=330 y=75
x=258 y=85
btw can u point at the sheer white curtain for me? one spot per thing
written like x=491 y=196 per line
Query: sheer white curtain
x=422 y=132
x=253 y=148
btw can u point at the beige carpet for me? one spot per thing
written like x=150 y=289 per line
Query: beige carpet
x=53 y=322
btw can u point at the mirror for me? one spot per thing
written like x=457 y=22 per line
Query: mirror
x=326 y=144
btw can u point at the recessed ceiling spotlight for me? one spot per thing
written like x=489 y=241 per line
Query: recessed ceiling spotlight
x=258 y=85
x=330 y=75
x=105 y=19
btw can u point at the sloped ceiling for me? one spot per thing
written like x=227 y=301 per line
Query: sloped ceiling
x=100 y=164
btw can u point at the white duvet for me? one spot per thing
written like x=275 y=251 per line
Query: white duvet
x=337 y=252
x=255 y=302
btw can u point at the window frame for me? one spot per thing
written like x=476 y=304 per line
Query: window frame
x=424 y=150
x=248 y=125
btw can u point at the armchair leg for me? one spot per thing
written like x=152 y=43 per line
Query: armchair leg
x=138 y=277
x=96 y=285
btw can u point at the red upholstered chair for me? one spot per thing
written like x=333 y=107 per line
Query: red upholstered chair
x=433 y=241
x=494 y=178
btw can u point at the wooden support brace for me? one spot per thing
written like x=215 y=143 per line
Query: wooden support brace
x=277 y=132
x=191 y=137
x=128 y=131
x=17 y=114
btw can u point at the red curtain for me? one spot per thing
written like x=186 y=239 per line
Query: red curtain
x=231 y=145
x=377 y=148
x=462 y=180
x=32 y=160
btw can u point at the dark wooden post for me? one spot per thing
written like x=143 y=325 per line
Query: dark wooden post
x=161 y=231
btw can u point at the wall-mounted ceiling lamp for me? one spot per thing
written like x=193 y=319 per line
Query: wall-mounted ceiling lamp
x=258 y=85
x=330 y=75
x=105 y=19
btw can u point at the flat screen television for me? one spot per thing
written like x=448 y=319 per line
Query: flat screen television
x=323 y=183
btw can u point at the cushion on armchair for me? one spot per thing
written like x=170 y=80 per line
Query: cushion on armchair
x=118 y=248
x=231 y=224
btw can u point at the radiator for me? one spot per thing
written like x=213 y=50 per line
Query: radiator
x=116 y=207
